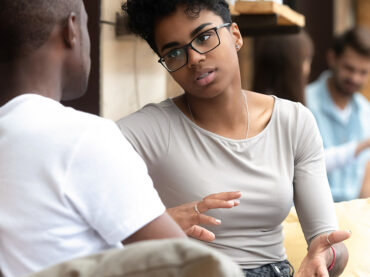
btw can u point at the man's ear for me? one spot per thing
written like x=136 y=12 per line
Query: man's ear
x=238 y=39
x=331 y=58
x=70 y=31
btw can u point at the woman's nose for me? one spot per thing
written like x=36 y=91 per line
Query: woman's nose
x=194 y=57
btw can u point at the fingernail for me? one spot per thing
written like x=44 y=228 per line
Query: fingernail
x=231 y=202
x=236 y=202
x=218 y=221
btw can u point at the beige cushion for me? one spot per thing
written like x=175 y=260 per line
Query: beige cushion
x=352 y=215
x=159 y=258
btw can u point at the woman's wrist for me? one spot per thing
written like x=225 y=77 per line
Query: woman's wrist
x=332 y=260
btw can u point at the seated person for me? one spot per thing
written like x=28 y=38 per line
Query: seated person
x=343 y=114
x=217 y=137
x=282 y=66
x=70 y=184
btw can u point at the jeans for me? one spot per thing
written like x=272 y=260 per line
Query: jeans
x=280 y=269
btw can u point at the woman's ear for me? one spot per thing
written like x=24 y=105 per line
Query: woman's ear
x=70 y=31
x=238 y=39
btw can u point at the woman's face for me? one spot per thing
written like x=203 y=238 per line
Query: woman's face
x=204 y=75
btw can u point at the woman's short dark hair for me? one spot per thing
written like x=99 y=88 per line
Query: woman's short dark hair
x=143 y=14
x=357 y=38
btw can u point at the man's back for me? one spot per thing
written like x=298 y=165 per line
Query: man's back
x=70 y=184
x=66 y=185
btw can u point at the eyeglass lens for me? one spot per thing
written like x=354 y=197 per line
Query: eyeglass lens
x=203 y=43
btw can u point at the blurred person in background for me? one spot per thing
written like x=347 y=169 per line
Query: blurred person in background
x=282 y=65
x=343 y=114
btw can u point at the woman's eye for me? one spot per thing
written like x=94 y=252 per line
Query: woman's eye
x=174 y=54
x=203 y=37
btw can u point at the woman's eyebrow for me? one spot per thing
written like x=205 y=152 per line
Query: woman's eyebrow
x=192 y=34
x=169 y=45
x=199 y=28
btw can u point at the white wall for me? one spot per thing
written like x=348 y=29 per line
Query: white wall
x=130 y=74
x=344 y=16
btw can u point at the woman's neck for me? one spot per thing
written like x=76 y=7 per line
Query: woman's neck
x=225 y=114
x=229 y=117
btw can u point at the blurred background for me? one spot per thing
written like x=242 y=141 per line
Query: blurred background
x=125 y=74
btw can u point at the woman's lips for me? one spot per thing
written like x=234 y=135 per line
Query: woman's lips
x=205 y=78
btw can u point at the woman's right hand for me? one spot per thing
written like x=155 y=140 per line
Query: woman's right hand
x=319 y=256
x=188 y=218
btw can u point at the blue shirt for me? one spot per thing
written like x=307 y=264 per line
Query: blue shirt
x=345 y=182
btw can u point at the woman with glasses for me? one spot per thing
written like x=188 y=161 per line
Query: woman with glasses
x=253 y=152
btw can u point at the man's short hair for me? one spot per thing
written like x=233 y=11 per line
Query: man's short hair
x=143 y=14
x=358 y=39
x=27 y=24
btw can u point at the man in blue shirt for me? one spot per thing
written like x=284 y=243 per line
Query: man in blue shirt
x=343 y=114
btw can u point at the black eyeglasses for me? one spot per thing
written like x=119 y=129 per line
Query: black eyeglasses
x=202 y=43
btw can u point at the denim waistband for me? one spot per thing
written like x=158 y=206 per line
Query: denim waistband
x=279 y=269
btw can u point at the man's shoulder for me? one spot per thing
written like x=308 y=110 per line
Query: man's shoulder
x=315 y=90
x=42 y=109
x=77 y=118
x=314 y=98
x=42 y=117
x=362 y=102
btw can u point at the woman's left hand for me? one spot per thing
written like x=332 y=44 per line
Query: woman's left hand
x=189 y=218
x=320 y=255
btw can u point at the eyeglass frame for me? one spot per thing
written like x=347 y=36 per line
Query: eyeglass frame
x=161 y=59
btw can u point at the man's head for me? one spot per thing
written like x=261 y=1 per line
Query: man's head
x=56 y=31
x=144 y=14
x=349 y=59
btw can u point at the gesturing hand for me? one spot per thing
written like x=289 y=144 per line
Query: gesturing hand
x=188 y=218
x=320 y=255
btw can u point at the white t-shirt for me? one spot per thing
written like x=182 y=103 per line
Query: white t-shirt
x=70 y=185
x=282 y=164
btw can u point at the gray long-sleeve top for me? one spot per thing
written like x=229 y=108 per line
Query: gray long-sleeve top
x=282 y=164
